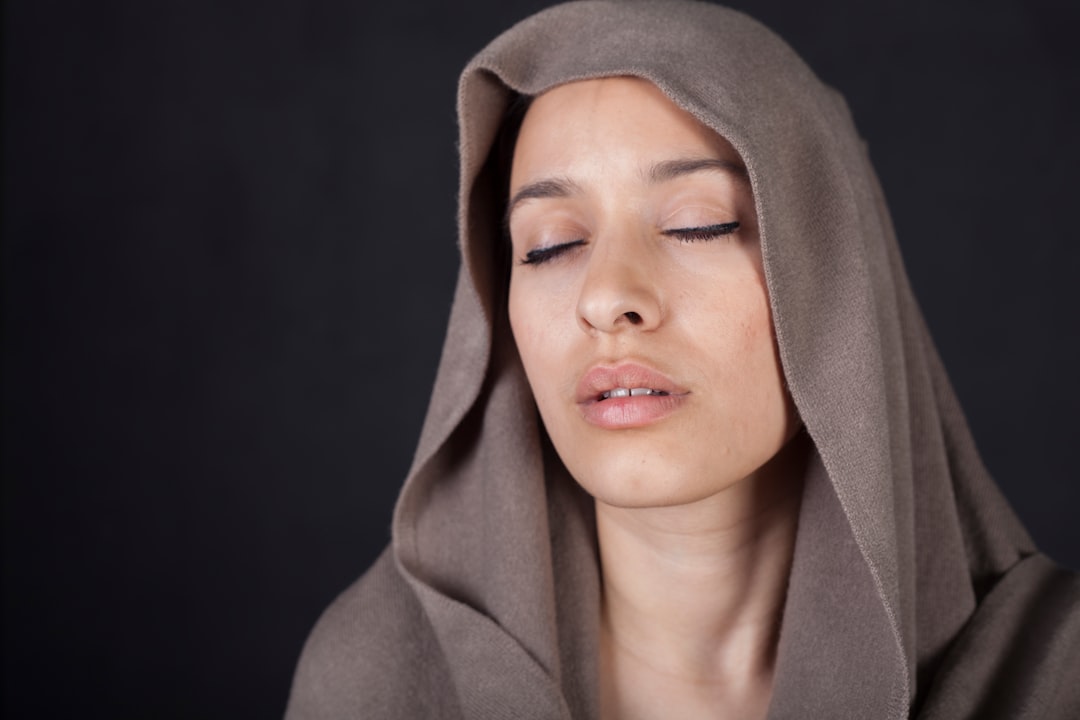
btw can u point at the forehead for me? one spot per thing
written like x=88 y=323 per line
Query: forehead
x=618 y=120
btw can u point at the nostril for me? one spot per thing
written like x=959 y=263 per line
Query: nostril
x=633 y=317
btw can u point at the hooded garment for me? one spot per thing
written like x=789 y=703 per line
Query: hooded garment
x=914 y=590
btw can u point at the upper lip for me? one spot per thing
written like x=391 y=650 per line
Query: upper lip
x=602 y=378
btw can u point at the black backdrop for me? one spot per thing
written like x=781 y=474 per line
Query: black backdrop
x=228 y=251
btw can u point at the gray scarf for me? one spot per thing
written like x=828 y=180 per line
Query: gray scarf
x=914 y=589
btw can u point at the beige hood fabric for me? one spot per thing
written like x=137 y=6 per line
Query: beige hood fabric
x=914 y=591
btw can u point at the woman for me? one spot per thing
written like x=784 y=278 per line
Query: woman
x=749 y=491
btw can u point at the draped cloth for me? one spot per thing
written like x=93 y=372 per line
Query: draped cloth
x=914 y=590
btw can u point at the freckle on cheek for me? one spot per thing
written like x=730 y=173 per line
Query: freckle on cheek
x=751 y=327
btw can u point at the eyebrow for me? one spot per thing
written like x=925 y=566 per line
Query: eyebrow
x=658 y=173
x=671 y=169
x=550 y=188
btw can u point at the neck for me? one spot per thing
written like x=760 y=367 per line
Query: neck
x=693 y=594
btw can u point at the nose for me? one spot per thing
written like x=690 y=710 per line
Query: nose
x=619 y=291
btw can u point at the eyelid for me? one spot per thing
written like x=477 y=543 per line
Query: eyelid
x=539 y=255
x=704 y=232
x=701 y=209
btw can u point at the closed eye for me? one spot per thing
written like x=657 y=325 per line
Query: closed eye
x=542 y=255
x=707 y=232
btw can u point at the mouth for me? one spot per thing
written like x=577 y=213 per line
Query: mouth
x=628 y=396
x=621 y=392
x=631 y=386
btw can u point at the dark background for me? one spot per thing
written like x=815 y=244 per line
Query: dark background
x=228 y=253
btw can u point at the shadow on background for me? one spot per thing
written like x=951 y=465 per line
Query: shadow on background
x=228 y=254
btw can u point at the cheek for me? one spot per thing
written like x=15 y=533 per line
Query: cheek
x=743 y=351
x=758 y=344
x=766 y=403
x=536 y=329
x=737 y=322
x=525 y=323
x=757 y=329
x=741 y=307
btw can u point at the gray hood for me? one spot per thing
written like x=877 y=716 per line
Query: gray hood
x=913 y=583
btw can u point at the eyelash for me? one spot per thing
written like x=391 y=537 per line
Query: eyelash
x=695 y=234
x=542 y=255
x=707 y=232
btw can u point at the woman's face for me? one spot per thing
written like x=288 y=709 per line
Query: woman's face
x=639 y=308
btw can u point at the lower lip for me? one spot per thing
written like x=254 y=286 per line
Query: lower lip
x=630 y=412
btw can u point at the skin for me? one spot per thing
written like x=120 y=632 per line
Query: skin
x=696 y=509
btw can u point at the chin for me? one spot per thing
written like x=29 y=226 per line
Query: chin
x=639 y=483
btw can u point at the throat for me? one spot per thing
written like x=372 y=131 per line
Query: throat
x=633 y=686
x=691 y=611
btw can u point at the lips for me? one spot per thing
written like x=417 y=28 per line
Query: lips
x=629 y=392
x=627 y=395
x=609 y=380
